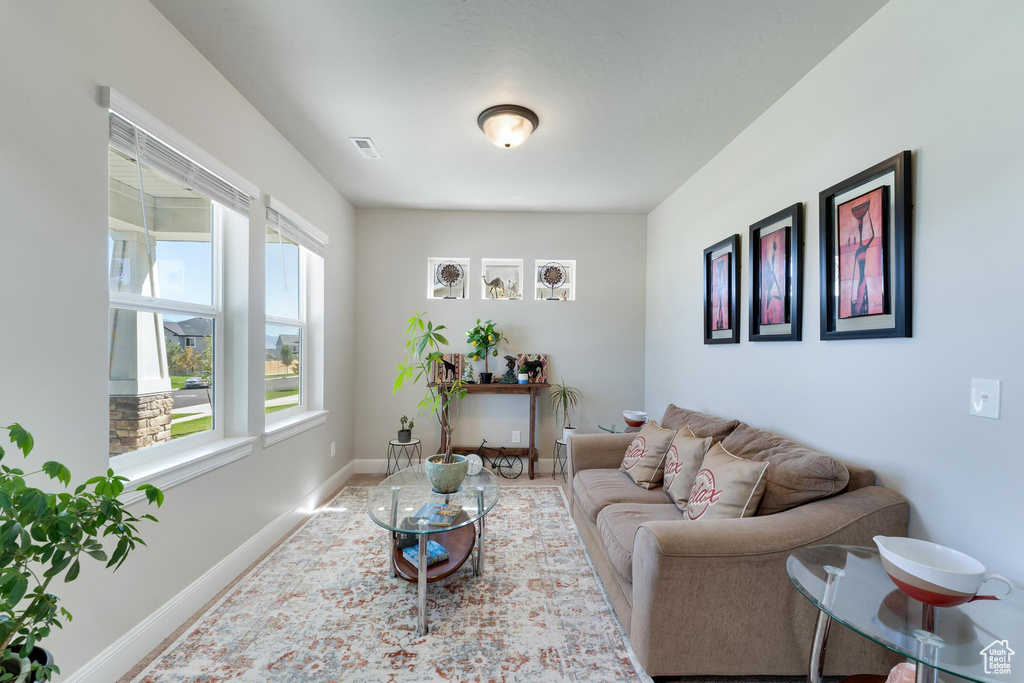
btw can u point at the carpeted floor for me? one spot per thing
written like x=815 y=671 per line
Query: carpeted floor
x=321 y=606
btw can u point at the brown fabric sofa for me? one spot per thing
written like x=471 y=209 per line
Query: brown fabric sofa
x=713 y=597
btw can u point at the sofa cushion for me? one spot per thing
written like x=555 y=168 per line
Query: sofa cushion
x=644 y=460
x=682 y=463
x=727 y=486
x=797 y=475
x=700 y=424
x=593 y=490
x=617 y=524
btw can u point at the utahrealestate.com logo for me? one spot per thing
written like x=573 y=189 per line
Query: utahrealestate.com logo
x=997 y=657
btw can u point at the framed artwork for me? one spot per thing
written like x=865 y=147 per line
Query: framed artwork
x=865 y=243
x=722 y=292
x=533 y=364
x=450 y=368
x=776 y=267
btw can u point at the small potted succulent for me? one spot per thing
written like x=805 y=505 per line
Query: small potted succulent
x=43 y=536
x=405 y=433
x=446 y=471
x=484 y=339
x=564 y=400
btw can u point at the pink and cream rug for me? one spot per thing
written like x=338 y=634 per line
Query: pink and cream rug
x=322 y=606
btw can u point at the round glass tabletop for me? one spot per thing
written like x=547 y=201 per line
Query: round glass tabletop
x=403 y=495
x=965 y=641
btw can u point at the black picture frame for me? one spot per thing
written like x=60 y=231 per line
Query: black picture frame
x=896 y=321
x=733 y=280
x=793 y=284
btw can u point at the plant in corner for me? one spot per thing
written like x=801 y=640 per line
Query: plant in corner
x=42 y=537
x=423 y=343
x=484 y=339
x=564 y=400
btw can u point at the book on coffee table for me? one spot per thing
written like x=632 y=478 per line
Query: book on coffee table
x=439 y=514
x=435 y=553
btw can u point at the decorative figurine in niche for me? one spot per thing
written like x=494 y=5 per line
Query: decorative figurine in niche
x=565 y=296
x=467 y=373
x=513 y=291
x=510 y=375
x=495 y=288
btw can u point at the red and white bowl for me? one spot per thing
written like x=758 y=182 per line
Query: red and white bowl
x=634 y=418
x=934 y=574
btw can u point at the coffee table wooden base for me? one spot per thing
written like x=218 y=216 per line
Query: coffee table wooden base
x=459 y=543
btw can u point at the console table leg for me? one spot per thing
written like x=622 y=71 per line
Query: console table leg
x=533 y=422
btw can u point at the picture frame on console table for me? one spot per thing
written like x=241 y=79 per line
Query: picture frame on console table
x=865 y=250
x=776 y=276
x=722 y=292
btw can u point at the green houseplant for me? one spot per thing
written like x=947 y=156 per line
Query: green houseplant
x=484 y=339
x=405 y=432
x=423 y=344
x=42 y=537
x=564 y=400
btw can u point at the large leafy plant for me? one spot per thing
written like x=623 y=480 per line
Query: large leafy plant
x=423 y=344
x=484 y=339
x=43 y=536
x=564 y=400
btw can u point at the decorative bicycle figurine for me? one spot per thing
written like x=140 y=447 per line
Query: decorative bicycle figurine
x=508 y=466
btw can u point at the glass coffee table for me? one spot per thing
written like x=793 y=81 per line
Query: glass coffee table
x=848 y=584
x=402 y=495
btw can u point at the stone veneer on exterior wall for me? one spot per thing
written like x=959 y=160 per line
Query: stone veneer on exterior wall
x=139 y=421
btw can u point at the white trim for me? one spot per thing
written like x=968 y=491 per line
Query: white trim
x=282 y=429
x=129 y=649
x=169 y=471
x=112 y=99
x=276 y=204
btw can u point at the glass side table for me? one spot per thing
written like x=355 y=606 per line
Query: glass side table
x=848 y=585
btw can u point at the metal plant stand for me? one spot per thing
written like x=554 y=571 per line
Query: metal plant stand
x=406 y=449
x=559 y=459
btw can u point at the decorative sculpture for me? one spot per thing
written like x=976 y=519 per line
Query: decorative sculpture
x=450 y=370
x=510 y=375
x=495 y=287
x=449 y=274
x=553 y=274
x=467 y=372
x=513 y=291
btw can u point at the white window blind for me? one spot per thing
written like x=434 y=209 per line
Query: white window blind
x=306 y=237
x=176 y=166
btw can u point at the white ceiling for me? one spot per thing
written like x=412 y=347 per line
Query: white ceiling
x=634 y=96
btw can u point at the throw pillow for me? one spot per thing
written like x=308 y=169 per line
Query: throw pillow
x=727 y=487
x=645 y=457
x=682 y=462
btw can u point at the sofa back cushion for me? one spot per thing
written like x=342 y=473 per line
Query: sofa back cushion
x=644 y=460
x=726 y=487
x=797 y=475
x=700 y=424
x=682 y=464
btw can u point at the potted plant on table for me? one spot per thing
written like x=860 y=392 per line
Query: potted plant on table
x=564 y=400
x=484 y=339
x=42 y=537
x=405 y=433
x=423 y=344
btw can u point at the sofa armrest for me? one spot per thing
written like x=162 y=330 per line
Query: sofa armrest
x=730 y=577
x=595 y=452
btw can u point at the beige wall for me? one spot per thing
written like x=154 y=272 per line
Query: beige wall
x=53 y=289
x=594 y=343
x=945 y=83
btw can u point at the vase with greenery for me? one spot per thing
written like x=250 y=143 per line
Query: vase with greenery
x=564 y=400
x=423 y=344
x=484 y=339
x=43 y=536
x=405 y=432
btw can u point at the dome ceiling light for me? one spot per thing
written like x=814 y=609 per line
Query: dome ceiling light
x=507 y=125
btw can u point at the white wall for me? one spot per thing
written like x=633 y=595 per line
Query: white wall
x=594 y=343
x=53 y=289
x=945 y=83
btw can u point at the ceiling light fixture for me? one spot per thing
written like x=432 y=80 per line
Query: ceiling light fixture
x=507 y=125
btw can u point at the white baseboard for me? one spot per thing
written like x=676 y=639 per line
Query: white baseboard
x=129 y=649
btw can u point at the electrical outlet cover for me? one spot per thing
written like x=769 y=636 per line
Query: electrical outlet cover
x=985 y=398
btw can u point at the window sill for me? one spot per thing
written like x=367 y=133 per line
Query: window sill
x=290 y=426
x=180 y=467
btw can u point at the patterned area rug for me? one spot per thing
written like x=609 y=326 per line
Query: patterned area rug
x=322 y=606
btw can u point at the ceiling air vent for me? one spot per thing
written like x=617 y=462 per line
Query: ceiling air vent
x=366 y=148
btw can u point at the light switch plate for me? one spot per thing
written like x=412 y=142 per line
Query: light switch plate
x=516 y=437
x=985 y=398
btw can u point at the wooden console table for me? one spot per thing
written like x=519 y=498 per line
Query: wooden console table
x=531 y=450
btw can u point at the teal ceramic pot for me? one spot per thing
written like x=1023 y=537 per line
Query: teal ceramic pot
x=446 y=478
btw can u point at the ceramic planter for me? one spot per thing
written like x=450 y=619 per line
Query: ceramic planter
x=446 y=478
x=567 y=432
x=486 y=377
x=523 y=378
x=405 y=435
x=23 y=674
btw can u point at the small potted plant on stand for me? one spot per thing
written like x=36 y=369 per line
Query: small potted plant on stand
x=564 y=400
x=423 y=343
x=43 y=536
x=484 y=339
x=405 y=433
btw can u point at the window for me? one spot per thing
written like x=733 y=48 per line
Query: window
x=167 y=217
x=294 y=252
